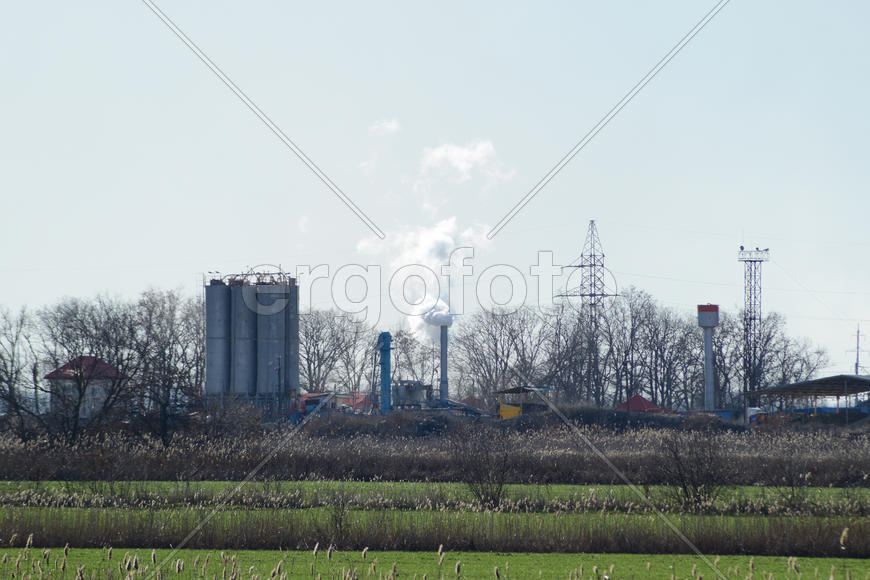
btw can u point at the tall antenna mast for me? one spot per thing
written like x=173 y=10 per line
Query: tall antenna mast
x=752 y=260
x=857 y=350
x=592 y=292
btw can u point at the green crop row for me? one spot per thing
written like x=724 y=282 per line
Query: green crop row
x=347 y=528
x=326 y=563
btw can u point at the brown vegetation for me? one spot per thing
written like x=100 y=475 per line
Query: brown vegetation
x=553 y=455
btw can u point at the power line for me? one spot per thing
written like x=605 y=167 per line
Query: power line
x=734 y=285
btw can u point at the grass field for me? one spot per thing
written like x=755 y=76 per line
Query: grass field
x=238 y=528
x=758 y=499
x=420 y=516
x=732 y=500
x=451 y=489
x=142 y=563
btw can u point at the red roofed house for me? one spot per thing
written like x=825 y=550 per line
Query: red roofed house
x=85 y=381
x=638 y=404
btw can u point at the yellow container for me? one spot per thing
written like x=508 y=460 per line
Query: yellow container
x=506 y=411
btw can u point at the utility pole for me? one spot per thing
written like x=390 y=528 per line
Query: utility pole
x=857 y=350
x=857 y=357
x=592 y=291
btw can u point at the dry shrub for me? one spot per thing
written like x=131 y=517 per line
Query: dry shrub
x=483 y=459
x=693 y=465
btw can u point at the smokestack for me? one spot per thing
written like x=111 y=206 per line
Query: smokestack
x=443 y=386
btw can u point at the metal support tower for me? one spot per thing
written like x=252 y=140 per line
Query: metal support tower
x=593 y=291
x=752 y=260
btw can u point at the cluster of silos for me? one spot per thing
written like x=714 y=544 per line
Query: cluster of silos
x=252 y=337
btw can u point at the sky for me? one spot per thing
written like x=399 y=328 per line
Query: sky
x=125 y=163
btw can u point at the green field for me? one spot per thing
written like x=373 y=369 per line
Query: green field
x=237 y=528
x=96 y=563
x=414 y=495
x=420 y=516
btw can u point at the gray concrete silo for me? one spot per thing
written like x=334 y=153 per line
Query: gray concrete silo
x=244 y=339
x=273 y=302
x=252 y=339
x=217 y=338
x=292 y=345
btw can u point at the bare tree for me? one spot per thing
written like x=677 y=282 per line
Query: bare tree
x=660 y=368
x=19 y=399
x=566 y=354
x=727 y=361
x=484 y=342
x=322 y=340
x=170 y=347
x=527 y=332
x=416 y=359
x=354 y=369
x=624 y=325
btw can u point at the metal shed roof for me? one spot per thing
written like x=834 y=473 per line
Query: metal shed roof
x=835 y=386
x=518 y=390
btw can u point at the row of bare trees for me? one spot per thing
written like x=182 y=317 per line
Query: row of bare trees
x=338 y=352
x=636 y=347
x=140 y=360
x=155 y=349
x=335 y=351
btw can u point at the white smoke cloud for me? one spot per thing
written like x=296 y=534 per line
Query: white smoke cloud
x=430 y=247
x=438 y=316
x=447 y=166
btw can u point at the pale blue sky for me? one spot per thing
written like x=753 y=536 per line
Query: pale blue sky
x=124 y=162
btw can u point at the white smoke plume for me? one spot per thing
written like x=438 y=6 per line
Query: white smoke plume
x=429 y=247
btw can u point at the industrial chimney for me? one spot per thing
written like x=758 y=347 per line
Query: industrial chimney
x=708 y=319
x=386 y=385
x=443 y=386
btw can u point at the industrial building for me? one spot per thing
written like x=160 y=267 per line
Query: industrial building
x=407 y=394
x=252 y=339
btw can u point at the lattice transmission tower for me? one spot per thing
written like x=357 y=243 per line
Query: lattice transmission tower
x=593 y=291
x=752 y=260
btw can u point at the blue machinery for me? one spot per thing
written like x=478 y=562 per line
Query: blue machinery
x=442 y=402
x=384 y=346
